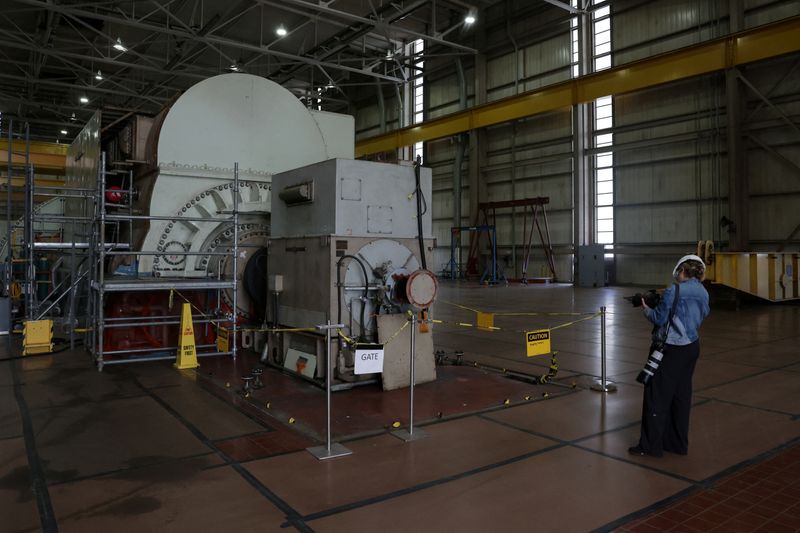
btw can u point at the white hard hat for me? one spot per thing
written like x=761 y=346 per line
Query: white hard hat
x=690 y=257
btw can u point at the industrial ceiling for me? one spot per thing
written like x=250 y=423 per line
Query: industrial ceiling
x=60 y=61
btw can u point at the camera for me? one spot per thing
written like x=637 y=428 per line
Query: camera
x=650 y=367
x=651 y=298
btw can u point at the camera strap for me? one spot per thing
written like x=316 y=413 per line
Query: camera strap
x=663 y=338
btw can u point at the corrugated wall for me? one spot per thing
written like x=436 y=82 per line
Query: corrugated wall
x=671 y=179
x=526 y=159
x=670 y=144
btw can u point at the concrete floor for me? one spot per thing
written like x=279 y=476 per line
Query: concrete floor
x=144 y=447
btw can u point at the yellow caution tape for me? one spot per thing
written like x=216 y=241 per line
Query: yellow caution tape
x=527 y=313
x=575 y=321
x=495 y=328
x=459 y=306
x=354 y=343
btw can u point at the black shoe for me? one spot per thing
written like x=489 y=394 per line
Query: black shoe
x=638 y=450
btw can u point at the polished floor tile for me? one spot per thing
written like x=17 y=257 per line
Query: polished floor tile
x=178 y=497
x=766 y=355
x=563 y=490
x=761 y=497
x=275 y=442
x=143 y=447
x=385 y=464
x=777 y=390
x=721 y=436
x=73 y=386
x=10 y=420
x=102 y=437
x=17 y=500
x=710 y=372
x=578 y=415
x=215 y=418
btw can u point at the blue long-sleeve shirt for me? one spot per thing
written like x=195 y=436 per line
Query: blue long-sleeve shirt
x=689 y=314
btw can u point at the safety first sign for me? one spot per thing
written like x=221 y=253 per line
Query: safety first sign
x=369 y=358
x=538 y=342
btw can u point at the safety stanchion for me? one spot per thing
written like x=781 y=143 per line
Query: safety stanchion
x=602 y=384
x=330 y=449
x=409 y=434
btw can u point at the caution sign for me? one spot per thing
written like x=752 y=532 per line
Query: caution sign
x=369 y=359
x=538 y=342
x=222 y=339
x=187 y=351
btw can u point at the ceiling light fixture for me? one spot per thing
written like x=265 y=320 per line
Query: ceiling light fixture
x=469 y=19
x=84 y=100
x=389 y=55
x=281 y=31
x=98 y=76
x=330 y=84
x=119 y=46
x=63 y=132
x=234 y=67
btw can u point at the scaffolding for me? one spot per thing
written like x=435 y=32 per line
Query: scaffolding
x=31 y=283
x=110 y=221
x=66 y=278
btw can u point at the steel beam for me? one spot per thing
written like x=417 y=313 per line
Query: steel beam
x=760 y=43
x=378 y=24
x=45 y=157
x=207 y=39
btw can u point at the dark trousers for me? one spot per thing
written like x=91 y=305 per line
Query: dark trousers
x=668 y=402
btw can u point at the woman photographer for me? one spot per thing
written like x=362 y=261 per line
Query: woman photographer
x=668 y=391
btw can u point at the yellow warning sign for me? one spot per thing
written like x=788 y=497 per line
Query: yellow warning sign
x=187 y=352
x=538 y=342
x=222 y=339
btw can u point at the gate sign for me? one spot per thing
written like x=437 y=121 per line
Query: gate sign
x=538 y=342
x=369 y=358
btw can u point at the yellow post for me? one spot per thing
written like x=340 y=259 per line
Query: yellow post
x=485 y=320
x=187 y=352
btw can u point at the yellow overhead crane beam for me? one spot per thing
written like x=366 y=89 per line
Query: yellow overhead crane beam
x=46 y=158
x=760 y=43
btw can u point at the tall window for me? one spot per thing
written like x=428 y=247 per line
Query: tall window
x=417 y=49
x=576 y=55
x=604 y=172
x=603 y=122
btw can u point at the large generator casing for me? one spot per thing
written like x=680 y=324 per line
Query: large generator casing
x=327 y=218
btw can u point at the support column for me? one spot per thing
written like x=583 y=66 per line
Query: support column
x=582 y=182
x=477 y=147
x=738 y=186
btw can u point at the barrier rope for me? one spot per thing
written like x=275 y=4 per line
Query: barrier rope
x=496 y=328
x=352 y=342
x=527 y=313
x=215 y=323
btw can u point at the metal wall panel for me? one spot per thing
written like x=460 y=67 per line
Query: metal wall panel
x=655 y=27
x=758 y=12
